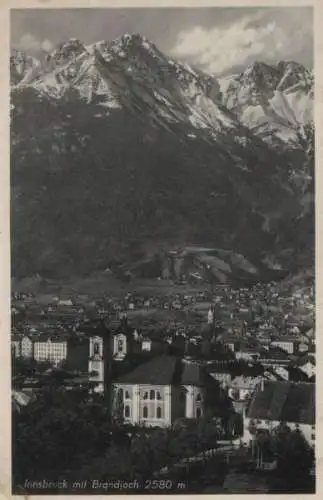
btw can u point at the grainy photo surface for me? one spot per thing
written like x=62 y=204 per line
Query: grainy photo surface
x=162 y=250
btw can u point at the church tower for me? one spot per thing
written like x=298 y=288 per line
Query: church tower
x=210 y=316
x=96 y=363
x=100 y=359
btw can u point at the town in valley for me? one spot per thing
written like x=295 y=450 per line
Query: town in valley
x=162 y=218
x=166 y=391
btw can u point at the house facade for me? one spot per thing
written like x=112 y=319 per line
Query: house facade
x=273 y=403
x=27 y=347
x=287 y=345
x=146 y=344
x=242 y=388
x=247 y=354
x=274 y=357
x=49 y=349
x=150 y=405
x=16 y=346
x=41 y=349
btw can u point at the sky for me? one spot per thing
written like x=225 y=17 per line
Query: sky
x=218 y=40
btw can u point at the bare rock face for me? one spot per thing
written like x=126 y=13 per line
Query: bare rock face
x=275 y=102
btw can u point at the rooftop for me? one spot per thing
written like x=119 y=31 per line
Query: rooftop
x=285 y=339
x=273 y=353
x=242 y=382
x=284 y=402
x=167 y=370
x=157 y=371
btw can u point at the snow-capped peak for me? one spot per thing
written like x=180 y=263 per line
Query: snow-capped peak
x=272 y=100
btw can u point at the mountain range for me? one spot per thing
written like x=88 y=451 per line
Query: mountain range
x=121 y=156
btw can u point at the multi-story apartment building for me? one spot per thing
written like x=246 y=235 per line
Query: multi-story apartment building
x=287 y=344
x=27 y=347
x=52 y=349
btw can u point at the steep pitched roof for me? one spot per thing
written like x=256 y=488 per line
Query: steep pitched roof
x=21 y=399
x=284 y=402
x=194 y=374
x=160 y=370
x=167 y=370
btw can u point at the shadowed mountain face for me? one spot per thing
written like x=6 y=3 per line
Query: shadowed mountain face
x=119 y=152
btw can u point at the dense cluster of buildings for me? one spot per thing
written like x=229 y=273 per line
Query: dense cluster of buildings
x=251 y=346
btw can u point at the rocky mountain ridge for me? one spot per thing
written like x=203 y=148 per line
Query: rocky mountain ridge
x=117 y=148
x=274 y=101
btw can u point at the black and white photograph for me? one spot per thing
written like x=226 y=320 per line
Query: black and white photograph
x=162 y=227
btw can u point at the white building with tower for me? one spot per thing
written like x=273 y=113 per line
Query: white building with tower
x=164 y=389
x=105 y=347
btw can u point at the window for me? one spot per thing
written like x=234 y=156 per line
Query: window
x=159 y=412
x=145 y=395
x=96 y=366
x=96 y=348
x=120 y=393
x=198 y=412
x=145 y=412
x=120 y=345
x=127 y=412
x=158 y=396
x=127 y=395
x=198 y=397
x=152 y=394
